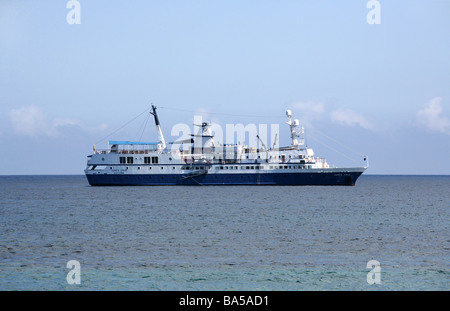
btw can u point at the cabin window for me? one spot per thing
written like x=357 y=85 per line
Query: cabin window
x=155 y=160
x=122 y=160
x=147 y=160
x=130 y=160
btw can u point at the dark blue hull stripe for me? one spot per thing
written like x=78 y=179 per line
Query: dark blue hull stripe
x=305 y=179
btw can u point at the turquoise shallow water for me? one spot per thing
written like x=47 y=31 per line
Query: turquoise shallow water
x=225 y=238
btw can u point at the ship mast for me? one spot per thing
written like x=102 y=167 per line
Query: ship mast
x=158 y=128
x=294 y=124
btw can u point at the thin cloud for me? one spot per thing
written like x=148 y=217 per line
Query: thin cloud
x=431 y=116
x=31 y=121
x=310 y=107
x=351 y=118
x=309 y=111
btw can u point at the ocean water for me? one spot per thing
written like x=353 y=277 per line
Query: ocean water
x=225 y=238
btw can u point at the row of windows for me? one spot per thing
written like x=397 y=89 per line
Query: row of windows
x=124 y=160
x=246 y=167
x=162 y=167
x=261 y=167
x=153 y=160
x=129 y=160
x=233 y=167
x=287 y=166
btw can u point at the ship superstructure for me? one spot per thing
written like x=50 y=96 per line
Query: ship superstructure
x=206 y=162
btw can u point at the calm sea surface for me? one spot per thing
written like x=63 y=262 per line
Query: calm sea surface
x=225 y=238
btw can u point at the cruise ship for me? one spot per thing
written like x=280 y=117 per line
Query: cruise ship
x=207 y=162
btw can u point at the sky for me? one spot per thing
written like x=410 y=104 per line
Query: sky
x=359 y=88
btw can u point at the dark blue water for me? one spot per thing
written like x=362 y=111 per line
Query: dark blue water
x=225 y=238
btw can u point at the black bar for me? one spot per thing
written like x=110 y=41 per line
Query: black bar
x=225 y=300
